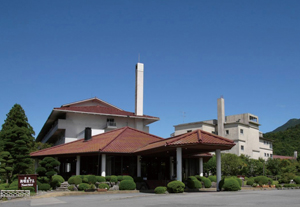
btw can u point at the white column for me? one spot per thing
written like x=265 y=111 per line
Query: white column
x=139 y=89
x=103 y=165
x=218 y=159
x=139 y=167
x=78 y=165
x=36 y=164
x=179 y=163
x=201 y=166
x=171 y=167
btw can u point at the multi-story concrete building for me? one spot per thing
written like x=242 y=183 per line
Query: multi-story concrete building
x=243 y=129
x=68 y=122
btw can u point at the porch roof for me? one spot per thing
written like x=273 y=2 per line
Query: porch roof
x=132 y=141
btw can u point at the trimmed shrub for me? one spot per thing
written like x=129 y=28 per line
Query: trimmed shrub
x=120 y=177
x=160 y=190
x=100 y=179
x=113 y=178
x=206 y=182
x=127 y=185
x=175 y=187
x=103 y=186
x=213 y=178
x=127 y=177
x=193 y=183
x=92 y=179
x=231 y=184
x=43 y=179
x=278 y=186
x=250 y=182
x=270 y=181
x=44 y=186
x=71 y=188
x=28 y=188
x=76 y=180
x=107 y=178
x=261 y=180
x=85 y=179
x=83 y=186
x=56 y=181
x=239 y=181
x=297 y=179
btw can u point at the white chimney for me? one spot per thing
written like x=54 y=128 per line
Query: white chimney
x=139 y=89
x=221 y=116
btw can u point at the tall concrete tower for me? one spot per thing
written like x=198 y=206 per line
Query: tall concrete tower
x=139 y=89
x=221 y=117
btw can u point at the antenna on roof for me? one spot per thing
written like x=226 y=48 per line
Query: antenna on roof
x=139 y=58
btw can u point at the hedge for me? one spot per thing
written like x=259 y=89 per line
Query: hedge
x=175 y=187
x=127 y=185
x=231 y=184
x=160 y=190
x=239 y=181
x=107 y=178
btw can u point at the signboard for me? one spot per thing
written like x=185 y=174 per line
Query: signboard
x=27 y=181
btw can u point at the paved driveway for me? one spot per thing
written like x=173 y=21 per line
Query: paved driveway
x=270 y=198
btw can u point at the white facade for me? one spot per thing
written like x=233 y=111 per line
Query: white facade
x=68 y=123
x=243 y=129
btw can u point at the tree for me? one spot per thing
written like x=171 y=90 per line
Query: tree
x=16 y=137
x=231 y=164
x=6 y=165
x=47 y=169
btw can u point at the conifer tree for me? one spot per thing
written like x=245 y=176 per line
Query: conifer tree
x=16 y=137
x=6 y=165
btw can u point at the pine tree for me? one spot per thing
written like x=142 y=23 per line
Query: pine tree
x=16 y=137
x=6 y=165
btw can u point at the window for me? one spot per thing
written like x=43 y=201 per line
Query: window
x=227 y=132
x=242 y=147
x=213 y=132
x=271 y=155
x=189 y=131
x=265 y=154
x=110 y=120
x=241 y=131
x=252 y=118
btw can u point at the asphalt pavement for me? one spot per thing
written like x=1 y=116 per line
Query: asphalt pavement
x=268 y=198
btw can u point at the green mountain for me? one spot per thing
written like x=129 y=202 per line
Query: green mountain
x=290 y=123
x=285 y=142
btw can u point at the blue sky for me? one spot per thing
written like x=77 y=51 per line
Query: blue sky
x=57 y=52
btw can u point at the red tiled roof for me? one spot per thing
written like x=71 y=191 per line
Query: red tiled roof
x=100 y=110
x=195 y=137
x=283 y=157
x=123 y=140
